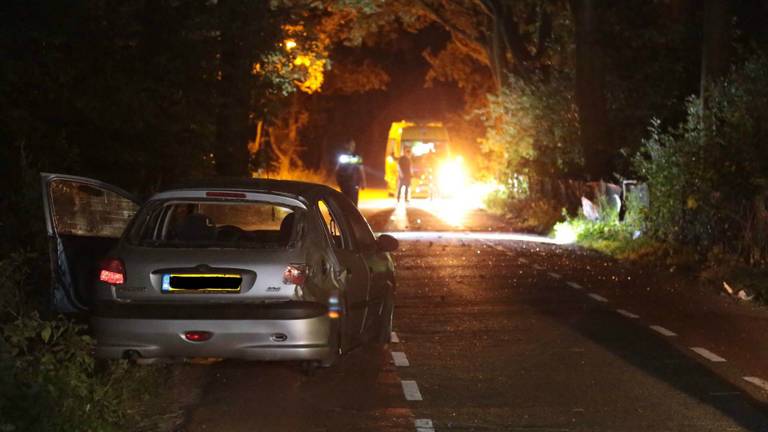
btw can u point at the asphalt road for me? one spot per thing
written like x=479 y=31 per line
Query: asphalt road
x=513 y=334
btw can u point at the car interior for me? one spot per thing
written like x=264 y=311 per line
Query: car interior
x=198 y=228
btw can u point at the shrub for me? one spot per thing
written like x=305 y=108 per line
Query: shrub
x=532 y=128
x=48 y=379
x=708 y=177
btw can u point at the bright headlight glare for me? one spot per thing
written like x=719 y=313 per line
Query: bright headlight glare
x=452 y=176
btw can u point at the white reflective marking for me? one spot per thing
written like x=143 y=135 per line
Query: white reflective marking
x=411 y=390
x=661 y=330
x=707 y=354
x=763 y=384
x=424 y=425
x=453 y=235
x=523 y=261
x=627 y=314
x=538 y=267
x=554 y=275
x=574 y=285
x=393 y=338
x=598 y=297
x=400 y=359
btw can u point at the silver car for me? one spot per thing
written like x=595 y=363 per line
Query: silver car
x=249 y=269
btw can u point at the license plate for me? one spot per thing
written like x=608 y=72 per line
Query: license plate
x=201 y=283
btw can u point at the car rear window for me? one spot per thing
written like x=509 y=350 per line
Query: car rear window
x=210 y=224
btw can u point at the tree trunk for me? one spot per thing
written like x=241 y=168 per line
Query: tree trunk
x=590 y=95
x=233 y=126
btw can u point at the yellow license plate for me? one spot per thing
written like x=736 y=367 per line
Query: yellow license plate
x=201 y=283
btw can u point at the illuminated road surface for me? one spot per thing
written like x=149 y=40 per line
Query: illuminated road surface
x=499 y=331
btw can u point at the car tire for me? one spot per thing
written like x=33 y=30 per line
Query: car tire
x=387 y=319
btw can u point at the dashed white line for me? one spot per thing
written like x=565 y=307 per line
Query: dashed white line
x=598 y=297
x=663 y=331
x=393 y=338
x=574 y=285
x=400 y=359
x=554 y=275
x=424 y=425
x=411 y=390
x=763 y=384
x=538 y=267
x=523 y=261
x=707 y=354
x=627 y=314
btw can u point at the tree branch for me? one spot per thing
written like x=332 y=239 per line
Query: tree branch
x=462 y=38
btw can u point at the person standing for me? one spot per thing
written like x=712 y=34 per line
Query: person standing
x=404 y=175
x=350 y=175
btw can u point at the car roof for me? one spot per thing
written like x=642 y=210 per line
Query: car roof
x=299 y=189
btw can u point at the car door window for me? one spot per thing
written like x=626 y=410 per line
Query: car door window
x=332 y=226
x=80 y=209
x=363 y=237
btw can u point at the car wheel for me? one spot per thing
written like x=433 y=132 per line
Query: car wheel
x=387 y=318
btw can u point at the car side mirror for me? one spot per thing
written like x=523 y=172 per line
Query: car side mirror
x=387 y=243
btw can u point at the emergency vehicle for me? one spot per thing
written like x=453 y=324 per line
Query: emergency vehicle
x=436 y=171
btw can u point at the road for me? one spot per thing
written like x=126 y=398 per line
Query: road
x=514 y=333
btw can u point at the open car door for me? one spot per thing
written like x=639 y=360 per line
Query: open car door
x=84 y=219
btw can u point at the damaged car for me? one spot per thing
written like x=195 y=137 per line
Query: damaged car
x=250 y=269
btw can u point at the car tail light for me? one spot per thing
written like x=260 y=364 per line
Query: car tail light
x=112 y=271
x=295 y=274
x=197 y=335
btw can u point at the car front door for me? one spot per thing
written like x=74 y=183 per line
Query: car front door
x=378 y=263
x=84 y=219
x=352 y=273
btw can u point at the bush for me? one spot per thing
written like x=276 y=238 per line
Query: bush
x=621 y=239
x=48 y=379
x=708 y=177
x=532 y=128
x=525 y=214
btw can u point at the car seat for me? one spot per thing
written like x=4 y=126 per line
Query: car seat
x=196 y=227
x=286 y=227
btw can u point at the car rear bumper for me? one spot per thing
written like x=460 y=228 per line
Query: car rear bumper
x=257 y=334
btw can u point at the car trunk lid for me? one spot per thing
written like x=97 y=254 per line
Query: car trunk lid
x=211 y=274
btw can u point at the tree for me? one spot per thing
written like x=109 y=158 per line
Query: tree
x=249 y=34
x=716 y=42
x=590 y=91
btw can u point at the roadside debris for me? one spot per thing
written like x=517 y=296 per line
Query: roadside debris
x=742 y=294
x=727 y=288
x=745 y=295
